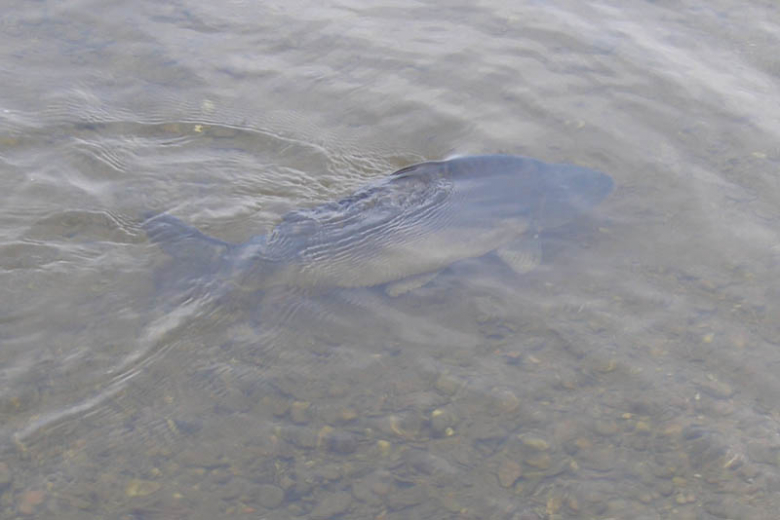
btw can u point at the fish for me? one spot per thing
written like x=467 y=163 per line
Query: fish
x=400 y=231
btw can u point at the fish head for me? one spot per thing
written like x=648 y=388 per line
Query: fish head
x=500 y=187
x=569 y=192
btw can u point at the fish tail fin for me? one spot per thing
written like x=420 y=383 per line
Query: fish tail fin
x=184 y=243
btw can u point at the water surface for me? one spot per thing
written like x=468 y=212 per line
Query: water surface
x=631 y=375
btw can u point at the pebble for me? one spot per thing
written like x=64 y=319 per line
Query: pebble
x=305 y=438
x=332 y=505
x=507 y=401
x=384 y=447
x=598 y=459
x=339 y=389
x=279 y=407
x=29 y=500
x=401 y=498
x=536 y=443
x=757 y=451
x=394 y=424
x=442 y=422
x=5 y=476
x=717 y=389
x=605 y=366
x=221 y=475
x=341 y=442
x=362 y=491
x=554 y=504
x=665 y=488
x=322 y=435
x=451 y=504
x=685 y=498
x=447 y=385
x=202 y=458
x=347 y=415
x=606 y=428
x=642 y=427
x=141 y=488
x=539 y=461
x=727 y=508
x=331 y=472
x=748 y=472
x=236 y=488
x=299 y=412
x=269 y=496
x=582 y=443
x=724 y=407
x=508 y=472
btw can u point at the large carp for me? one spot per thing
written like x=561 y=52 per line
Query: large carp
x=402 y=229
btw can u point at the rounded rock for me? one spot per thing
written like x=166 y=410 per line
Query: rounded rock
x=270 y=496
x=508 y=473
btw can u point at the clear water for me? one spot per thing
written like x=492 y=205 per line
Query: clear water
x=632 y=375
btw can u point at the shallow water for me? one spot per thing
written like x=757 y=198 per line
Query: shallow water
x=632 y=374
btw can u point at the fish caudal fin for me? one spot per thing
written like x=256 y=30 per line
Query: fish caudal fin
x=185 y=243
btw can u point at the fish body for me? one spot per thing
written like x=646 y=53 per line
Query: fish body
x=406 y=227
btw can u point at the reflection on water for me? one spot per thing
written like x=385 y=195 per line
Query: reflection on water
x=630 y=374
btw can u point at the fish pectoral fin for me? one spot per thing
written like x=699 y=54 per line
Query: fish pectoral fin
x=409 y=284
x=522 y=255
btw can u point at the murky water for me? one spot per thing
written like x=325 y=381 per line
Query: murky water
x=632 y=375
